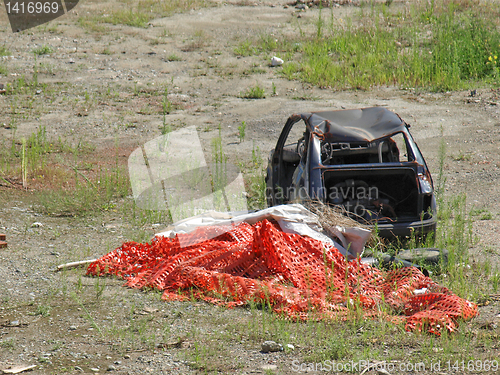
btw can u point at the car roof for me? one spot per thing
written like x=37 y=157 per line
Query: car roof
x=365 y=124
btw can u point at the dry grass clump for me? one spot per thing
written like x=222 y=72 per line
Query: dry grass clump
x=330 y=216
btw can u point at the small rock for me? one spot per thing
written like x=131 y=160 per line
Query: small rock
x=271 y=346
x=78 y=368
x=118 y=362
x=276 y=61
x=269 y=367
x=126 y=356
x=14 y=323
x=302 y=7
x=290 y=346
x=73 y=328
x=111 y=368
x=94 y=369
x=36 y=224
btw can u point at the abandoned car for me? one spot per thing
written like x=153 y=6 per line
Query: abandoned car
x=362 y=160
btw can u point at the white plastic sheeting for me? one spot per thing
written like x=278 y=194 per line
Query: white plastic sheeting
x=292 y=218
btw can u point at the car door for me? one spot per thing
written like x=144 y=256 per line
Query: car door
x=284 y=160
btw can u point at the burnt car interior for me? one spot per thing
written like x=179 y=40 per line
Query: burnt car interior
x=371 y=194
x=374 y=180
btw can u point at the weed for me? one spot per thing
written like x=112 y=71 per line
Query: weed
x=92 y=23
x=8 y=344
x=43 y=310
x=24 y=166
x=255 y=181
x=99 y=287
x=454 y=233
x=495 y=280
x=481 y=214
x=167 y=108
x=245 y=48
x=128 y=17
x=138 y=15
x=309 y=97
x=275 y=93
x=46 y=68
x=76 y=298
x=462 y=156
x=241 y=131
x=43 y=50
x=441 y=179
x=319 y=22
x=4 y=51
x=174 y=57
x=255 y=92
x=219 y=174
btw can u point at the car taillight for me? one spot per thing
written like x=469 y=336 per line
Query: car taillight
x=425 y=184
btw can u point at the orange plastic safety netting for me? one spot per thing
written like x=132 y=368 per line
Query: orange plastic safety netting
x=298 y=276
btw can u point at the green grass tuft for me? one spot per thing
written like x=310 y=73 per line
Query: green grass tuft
x=128 y=17
x=4 y=51
x=255 y=92
x=43 y=50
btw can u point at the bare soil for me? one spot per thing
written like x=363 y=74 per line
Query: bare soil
x=61 y=321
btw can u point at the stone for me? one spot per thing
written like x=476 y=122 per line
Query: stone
x=276 y=61
x=269 y=367
x=271 y=346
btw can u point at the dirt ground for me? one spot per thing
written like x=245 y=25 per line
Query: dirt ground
x=205 y=81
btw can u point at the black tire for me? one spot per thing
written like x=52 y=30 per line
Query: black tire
x=425 y=255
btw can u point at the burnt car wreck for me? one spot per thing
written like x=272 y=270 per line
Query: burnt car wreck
x=362 y=160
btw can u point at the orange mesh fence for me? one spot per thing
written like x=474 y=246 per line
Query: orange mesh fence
x=299 y=277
